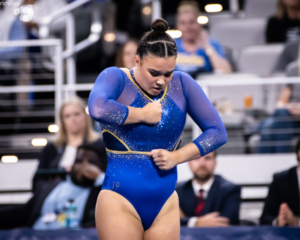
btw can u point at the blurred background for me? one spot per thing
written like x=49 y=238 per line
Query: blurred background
x=51 y=50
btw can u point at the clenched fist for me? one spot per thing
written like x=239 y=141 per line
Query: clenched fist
x=152 y=112
x=164 y=159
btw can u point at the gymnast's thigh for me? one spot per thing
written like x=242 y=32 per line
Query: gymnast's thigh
x=166 y=225
x=116 y=218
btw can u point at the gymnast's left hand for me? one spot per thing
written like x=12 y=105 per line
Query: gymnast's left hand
x=164 y=159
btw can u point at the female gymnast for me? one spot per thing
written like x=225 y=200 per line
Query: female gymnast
x=142 y=113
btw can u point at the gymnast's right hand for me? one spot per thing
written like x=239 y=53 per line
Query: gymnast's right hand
x=152 y=112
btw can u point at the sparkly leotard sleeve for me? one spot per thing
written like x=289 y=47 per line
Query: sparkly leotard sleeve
x=130 y=171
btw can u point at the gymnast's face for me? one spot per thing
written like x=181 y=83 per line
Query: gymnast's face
x=154 y=73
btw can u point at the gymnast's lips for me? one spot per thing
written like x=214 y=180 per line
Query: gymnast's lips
x=158 y=89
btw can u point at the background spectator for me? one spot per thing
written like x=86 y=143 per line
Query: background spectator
x=285 y=25
x=208 y=200
x=82 y=186
x=287 y=115
x=75 y=129
x=282 y=203
x=125 y=56
x=197 y=53
x=288 y=55
x=11 y=28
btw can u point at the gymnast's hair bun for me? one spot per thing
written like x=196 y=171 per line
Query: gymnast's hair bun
x=159 y=25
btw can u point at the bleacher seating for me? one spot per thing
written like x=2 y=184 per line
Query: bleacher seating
x=292 y=69
x=238 y=33
x=260 y=8
x=260 y=59
x=245 y=48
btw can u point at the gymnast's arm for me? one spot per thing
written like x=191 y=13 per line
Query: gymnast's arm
x=206 y=117
x=103 y=107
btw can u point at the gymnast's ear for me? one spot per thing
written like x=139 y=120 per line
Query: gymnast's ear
x=137 y=61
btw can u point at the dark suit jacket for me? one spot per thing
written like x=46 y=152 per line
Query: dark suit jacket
x=223 y=197
x=50 y=156
x=283 y=189
x=26 y=215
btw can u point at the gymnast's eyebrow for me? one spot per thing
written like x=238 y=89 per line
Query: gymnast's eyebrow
x=158 y=72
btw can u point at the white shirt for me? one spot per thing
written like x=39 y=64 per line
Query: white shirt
x=206 y=187
x=68 y=157
x=197 y=187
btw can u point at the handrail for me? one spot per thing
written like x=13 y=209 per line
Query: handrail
x=247 y=81
x=58 y=75
x=96 y=27
x=72 y=48
x=30 y=43
x=46 y=21
x=156 y=9
x=202 y=83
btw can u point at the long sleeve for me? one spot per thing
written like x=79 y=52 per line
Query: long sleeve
x=231 y=205
x=102 y=105
x=272 y=204
x=204 y=115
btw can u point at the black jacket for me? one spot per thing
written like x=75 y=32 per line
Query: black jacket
x=27 y=214
x=223 y=197
x=283 y=189
x=50 y=156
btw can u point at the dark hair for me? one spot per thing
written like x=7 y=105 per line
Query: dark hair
x=157 y=42
x=297 y=149
x=101 y=154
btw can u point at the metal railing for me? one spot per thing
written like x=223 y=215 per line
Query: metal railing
x=58 y=71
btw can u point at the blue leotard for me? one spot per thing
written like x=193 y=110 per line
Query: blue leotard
x=130 y=171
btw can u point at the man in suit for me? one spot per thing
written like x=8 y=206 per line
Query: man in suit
x=45 y=210
x=208 y=200
x=282 y=205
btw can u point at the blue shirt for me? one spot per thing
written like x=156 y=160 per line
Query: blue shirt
x=59 y=196
x=195 y=62
x=16 y=32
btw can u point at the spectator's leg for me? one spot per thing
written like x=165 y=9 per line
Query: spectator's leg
x=266 y=136
x=277 y=133
x=283 y=130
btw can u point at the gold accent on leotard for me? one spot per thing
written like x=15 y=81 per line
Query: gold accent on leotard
x=129 y=151
x=126 y=71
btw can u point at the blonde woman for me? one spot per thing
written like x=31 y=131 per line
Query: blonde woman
x=197 y=53
x=75 y=129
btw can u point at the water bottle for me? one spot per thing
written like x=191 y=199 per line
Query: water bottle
x=72 y=220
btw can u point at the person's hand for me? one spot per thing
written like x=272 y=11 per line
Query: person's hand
x=164 y=159
x=294 y=109
x=286 y=216
x=152 y=112
x=204 y=39
x=90 y=171
x=212 y=220
x=284 y=97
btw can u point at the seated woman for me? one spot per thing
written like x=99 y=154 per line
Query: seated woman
x=75 y=129
x=197 y=53
x=285 y=25
x=278 y=131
